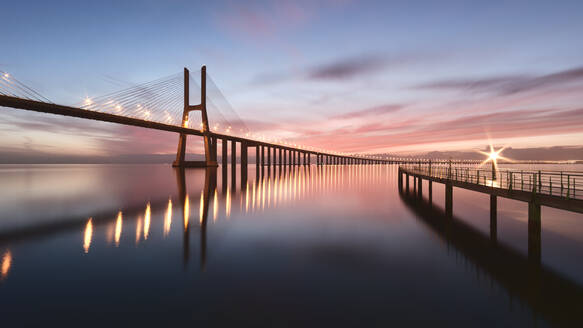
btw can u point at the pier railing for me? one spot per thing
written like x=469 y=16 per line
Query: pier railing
x=567 y=184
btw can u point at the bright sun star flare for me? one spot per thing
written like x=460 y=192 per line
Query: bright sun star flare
x=494 y=155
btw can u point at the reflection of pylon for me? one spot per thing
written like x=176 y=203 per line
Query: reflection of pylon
x=210 y=143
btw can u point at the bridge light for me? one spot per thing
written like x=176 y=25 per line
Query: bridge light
x=6 y=75
x=87 y=101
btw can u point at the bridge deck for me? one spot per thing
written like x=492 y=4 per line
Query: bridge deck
x=562 y=190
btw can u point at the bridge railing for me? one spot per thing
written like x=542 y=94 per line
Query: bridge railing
x=568 y=184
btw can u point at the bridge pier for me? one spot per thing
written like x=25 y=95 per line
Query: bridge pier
x=257 y=164
x=244 y=161
x=279 y=151
x=233 y=164
x=407 y=182
x=493 y=218
x=420 y=187
x=224 y=160
x=534 y=232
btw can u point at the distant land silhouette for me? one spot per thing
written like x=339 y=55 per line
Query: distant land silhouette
x=558 y=153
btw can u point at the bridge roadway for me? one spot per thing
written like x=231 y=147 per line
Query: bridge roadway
x=281 y=155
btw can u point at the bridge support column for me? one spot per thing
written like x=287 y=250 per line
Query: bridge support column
x=257 y=164
x=224 y=161
x=279 y=151
x=493 y=218
x=407 y=182
x=233 y=164
x=244 y=161
x=309 y=158
x=419 y=187
x=534 y=232
x=268 y=157
x=448 y=200
x=214 y=146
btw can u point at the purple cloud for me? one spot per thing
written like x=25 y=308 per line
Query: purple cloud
x=349 y=68
x=509 y=84
x=373 y=111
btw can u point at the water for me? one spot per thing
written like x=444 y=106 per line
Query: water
x=335 y=246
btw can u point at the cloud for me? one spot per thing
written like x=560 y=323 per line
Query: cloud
x=508 y=84
x=17 y=121
x=263 y=20
x=337 y=70
x=373 y=111
x=349 y=68
x=373 y=135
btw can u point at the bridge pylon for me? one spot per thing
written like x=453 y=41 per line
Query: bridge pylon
x=209 y=142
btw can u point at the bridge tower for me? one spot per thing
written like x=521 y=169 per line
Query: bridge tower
x=209 y=142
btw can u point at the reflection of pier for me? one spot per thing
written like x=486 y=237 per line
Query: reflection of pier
x=557 y=299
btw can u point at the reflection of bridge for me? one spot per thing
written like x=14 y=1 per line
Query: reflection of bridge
x=144 y=106
x=557 y=299
x=276 y=187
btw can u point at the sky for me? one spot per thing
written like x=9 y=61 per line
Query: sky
x=401 y=77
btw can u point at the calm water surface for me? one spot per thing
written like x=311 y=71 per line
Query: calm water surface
x=334 y=246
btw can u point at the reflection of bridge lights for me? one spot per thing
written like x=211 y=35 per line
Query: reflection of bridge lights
x=138 y=229
x=215 y=206
x=88 y=235
x=201 y=209
x=118 y=227
x=147 y=221
x=168 y=218
x=186 y=210
x=6 y=264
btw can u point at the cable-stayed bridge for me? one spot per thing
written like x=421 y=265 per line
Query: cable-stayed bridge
x=164 y=104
